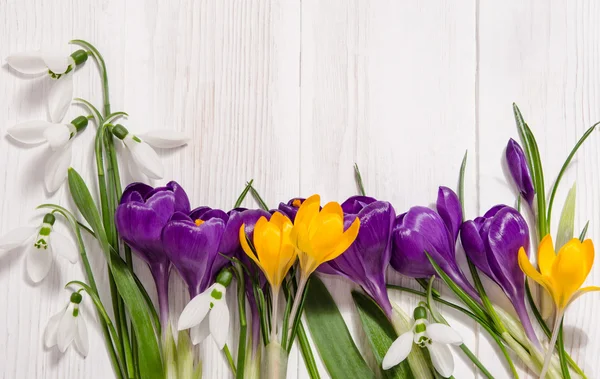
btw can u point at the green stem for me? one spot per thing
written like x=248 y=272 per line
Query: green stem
x=102 y=66
x=241 y=358
x=230 y=359
x=307 y=354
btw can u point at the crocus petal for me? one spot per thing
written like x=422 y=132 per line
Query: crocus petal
x=583 y=291
x=219 y=323
x=81 y=337
x=60 y=97
x=165 y=139
x=57 y=135
x=546 y=255
x=39 y=262
x=441 y=358
x=531 y=272
x=57 y=63
x=144 y=157
x=63 y=246
x=474 y=247
x=199 y=332
x=195 y=311
x=444 y=334
x=450 y=210
x=355 y=204
x=67 y=329
x=30 y=132
x=52 y=330
x=57 y=167
x=30 y=63
x=399 y=350
x=519 y=170
x=16 y=237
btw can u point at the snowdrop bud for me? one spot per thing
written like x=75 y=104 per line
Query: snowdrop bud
x=79 y=57
x=80 y=123
x=120 y=131
x=49 y=219
x=224 y=277
x=76 y=298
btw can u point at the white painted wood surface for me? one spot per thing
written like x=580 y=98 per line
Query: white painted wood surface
x=292 y=93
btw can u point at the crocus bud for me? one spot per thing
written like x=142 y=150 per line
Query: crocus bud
x=517 y=166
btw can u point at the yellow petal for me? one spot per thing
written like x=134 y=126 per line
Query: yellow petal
x=546 y=255
x=279 y=219
x=583 y=291
x=308 y=210
x=347 y=239
x=531 y=272
x=569 y=271
x=248 y=250
x=588 y=253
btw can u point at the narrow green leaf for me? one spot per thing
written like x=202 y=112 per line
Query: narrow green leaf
x=359 y=181
x=566 y=225
x=381 y=334
x=151 y=364
x=584 y=231
x=185 y=356
x=334 y=343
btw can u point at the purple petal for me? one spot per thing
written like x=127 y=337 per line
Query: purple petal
x=138 y=190
x=366 y=260
x=355 y=204
x=449 y=209
x=193 y=250
x=289 y=209
x=519 y=170
x=474 y=246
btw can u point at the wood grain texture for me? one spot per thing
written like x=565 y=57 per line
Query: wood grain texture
x=292 y=93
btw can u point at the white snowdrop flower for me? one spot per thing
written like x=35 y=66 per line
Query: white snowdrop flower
x=59 y=67
x=41 y=244
x=68 y=326
x=434 y=337
x=143 y=161
x=194 y=316
x=58 y=137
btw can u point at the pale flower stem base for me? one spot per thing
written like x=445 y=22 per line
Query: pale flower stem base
x=252 y=365
x=275 y=305
x=550 y=353
x=416 y=359
x=276 y=360
x=297 y=301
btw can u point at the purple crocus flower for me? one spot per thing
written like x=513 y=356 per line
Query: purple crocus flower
x=492 y=243
x=366 y=260
x=519 y=170
x=248 y=217
x=291 y=207
x=421 y=230
x=140 y=218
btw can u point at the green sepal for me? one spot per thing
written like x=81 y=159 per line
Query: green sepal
x=333 y=341
x=380 y=333
x=79 y=57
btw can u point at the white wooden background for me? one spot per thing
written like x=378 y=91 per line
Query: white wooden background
x=292 y=93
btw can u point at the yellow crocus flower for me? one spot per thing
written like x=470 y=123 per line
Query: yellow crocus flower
x=319 y=233
x=562 y=274
x=273 y=251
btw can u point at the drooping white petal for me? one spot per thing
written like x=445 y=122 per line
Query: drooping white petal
x=81 y=337
x=199 y=332
x=61 y=244
x=57 y=63
x=144 y=157
x=441 y=358
x=219 y=323
x=17 y=237
x=57 y=167
x=67 y=329
x=39 y=262
x=52 y=329
x=165 y=139
x=57 y=135
x=60 y=97
x=443 y=334
x=30 y=132
x=30 y=63
x=136 y=174
x=399 y=350
x=195 y=311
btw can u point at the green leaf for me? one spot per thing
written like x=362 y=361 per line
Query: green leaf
x=334 y=343
x=380 y=332
x=185 y=355
x=151 y=364
x=566 y=225
x=359 y=181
